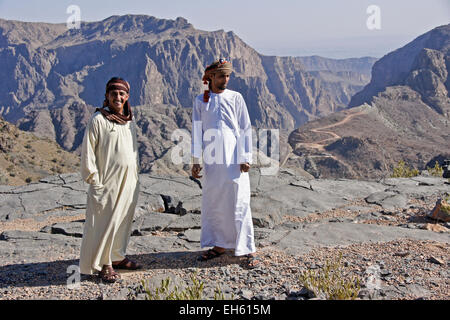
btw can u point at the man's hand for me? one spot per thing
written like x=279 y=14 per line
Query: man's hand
x=245 y=167
x=196 y=170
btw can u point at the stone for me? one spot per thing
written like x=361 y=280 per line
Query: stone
x=368 y=216
x=265 y=212
x=436 y=260
x=385 y=273
x=305 y=292
x=415 y=290
x=174 y=281
x=367 y=294
x=150 y=203
x=401 y=254
x=434 y=227
x=333 y=234
x=187 y=221
x=191 y=235
x=389 y=200
x=11 y=207
x=37 y=246
x=122 y=295
x=152 y=221
x=42 y=200
x=149 y=243
x=72 y=229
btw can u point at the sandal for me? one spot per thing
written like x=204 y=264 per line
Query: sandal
x=251 y=261
x=210 y=254
x=108 y=274
x=127 y=264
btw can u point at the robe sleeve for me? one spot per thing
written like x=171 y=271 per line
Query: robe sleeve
x=245 y=136
x=88 y=166
x=197 y=133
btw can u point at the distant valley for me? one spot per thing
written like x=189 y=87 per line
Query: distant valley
x=57 y=78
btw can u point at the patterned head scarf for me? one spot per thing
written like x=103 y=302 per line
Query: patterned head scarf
x=219 y=66
x=117 y=83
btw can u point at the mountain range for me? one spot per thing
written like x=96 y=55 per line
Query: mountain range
x=56 y=78
x=401 y=115
x=50 y=67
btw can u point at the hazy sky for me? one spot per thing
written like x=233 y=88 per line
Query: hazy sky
x=331 y=28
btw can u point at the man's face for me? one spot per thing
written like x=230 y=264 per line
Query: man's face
x=219 y=81
x=116 y=99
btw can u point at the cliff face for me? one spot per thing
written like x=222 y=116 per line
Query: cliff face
x=402 y=114
x=422 y=65
x=54 y=74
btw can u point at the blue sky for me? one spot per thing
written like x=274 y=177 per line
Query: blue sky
x=331 y=28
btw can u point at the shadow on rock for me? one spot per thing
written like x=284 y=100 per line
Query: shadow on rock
x=63 y=272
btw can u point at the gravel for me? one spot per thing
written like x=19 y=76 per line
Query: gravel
x=407 y=269
x=275 y=278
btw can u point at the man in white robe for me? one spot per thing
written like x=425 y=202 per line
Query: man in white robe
x=221 y=137
x=109 y=164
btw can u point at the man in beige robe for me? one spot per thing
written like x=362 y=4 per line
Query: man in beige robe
x=109 y=164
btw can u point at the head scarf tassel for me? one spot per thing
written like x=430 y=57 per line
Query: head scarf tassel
x=206 y=79
x=219 y=66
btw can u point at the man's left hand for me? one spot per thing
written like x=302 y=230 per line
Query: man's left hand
x=245 y=167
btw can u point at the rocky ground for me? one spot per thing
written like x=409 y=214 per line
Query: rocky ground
x=380 y=229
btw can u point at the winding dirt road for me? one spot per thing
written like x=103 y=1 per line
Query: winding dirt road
x=320 y=145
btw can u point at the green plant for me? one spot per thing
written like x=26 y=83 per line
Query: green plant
x=402 y=171
x=193 y=292
x=3 y=179
x=445 y=205
x=445 y=209
x=330 y=282
x=219 y=295
x=437 y=171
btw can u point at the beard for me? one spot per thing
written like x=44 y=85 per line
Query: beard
x=116 y=109
x=222 y=87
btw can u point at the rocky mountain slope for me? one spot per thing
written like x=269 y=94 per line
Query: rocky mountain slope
x=300 y=225
x=402 y=114
x=57 y=76
x=423 y=65
x=25 y=158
